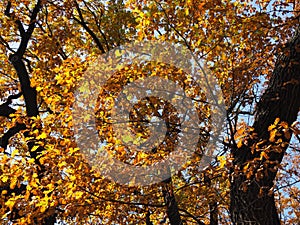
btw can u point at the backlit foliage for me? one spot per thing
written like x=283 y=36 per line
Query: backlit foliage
x=42 y=170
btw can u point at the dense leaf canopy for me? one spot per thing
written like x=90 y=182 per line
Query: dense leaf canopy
x=250 y=47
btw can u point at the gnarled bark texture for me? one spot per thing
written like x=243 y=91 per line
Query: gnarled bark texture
x=280 y=100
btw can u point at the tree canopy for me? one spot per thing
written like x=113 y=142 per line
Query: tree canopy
x=250 y=48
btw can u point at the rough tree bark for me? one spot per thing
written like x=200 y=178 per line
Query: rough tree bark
x=172 y=207
x=281 y=99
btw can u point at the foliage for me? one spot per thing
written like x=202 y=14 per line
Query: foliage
x=44 y=174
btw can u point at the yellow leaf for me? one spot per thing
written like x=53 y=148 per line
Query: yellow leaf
x=246 y=167
x=43 y=208
x=72 y=177
x=38 y=89
x=4 y=178
x=118 y=53
x=14 y=153
x=264 y=155
x=186 y=11
x=271 y=127
x=272 y=135
x=13 y=183
x=42 y=136
x=62 y=164
x=222 y=161
x=34 y=148
x=240 y=143
x=27 y=195
x=10 y=203
x=78 y=194
x=72 y=150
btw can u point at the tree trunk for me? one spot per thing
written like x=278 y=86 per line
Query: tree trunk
x=255 y=204
x=30 y=97
x=213 y=213
x=172 y=207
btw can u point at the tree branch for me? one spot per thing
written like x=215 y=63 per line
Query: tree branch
x=85 y=26
x=5 y=109
x=11 y=132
